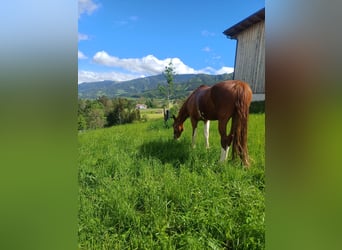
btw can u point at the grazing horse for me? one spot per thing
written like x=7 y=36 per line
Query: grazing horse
x=222 y=101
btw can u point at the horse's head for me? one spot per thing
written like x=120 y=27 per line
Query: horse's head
x=177 y=128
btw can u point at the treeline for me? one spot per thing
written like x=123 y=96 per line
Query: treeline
x=105 y=112
x=257 y=107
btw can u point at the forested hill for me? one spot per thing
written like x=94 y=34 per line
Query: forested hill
x=147 y=86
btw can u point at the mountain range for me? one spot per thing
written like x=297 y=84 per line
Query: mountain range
x=147 y=86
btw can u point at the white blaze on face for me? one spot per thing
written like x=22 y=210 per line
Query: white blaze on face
x=224 y=154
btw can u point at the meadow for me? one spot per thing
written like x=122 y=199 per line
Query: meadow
x=152 y=113
x=140 y=189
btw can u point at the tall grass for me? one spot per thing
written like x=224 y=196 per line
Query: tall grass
x=140 y=189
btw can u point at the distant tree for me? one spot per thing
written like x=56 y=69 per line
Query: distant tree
x=96 y=115
x=168 y=89
x=116 y=116
x=81 y=114
x=82 y=123
x=105 y=112
x=134 y=115
x=150 y=103
x=82 y=104
x=123 y=112
x=107 y=104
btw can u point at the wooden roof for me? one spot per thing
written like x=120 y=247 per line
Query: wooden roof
x=233 y=31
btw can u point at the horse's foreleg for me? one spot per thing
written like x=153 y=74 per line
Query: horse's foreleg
x=225 y=140
x=206 y=133
x=224 y=154
x=194 y=132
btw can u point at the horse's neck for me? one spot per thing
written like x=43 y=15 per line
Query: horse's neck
x=183 y=113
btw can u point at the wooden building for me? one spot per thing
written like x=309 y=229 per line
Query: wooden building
x=250 y=51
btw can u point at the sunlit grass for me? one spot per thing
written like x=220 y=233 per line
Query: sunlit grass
x=140 y=189
x=152 y=113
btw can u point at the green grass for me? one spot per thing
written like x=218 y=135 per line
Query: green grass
x=152 y=113
x=140 y=189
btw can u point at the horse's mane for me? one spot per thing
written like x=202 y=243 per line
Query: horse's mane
x=193 y=92
x=183 y=113
x=183 y=110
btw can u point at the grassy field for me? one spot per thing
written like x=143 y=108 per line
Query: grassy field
x=152 y=113
x=140 y=189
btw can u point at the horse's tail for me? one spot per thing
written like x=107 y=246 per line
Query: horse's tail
x=243 y=95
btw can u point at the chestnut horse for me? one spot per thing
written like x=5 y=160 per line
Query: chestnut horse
x=222 y=101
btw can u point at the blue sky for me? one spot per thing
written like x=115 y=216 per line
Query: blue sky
x=127 y=39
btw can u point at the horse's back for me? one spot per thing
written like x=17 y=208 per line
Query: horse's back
x=224 y=94
x=227 y=89
x=217 y=101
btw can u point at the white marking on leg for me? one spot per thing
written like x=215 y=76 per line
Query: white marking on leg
x=206 y=133
x=194 y=137
x=224 y=154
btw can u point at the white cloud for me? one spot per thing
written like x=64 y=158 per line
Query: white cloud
x=86 y=6
x=81 y=55
x=82 y=37
x=148 y=65
x=206 y=49
x=131 y=68
x=212 y=71
x=224 y=70
x=91 y=76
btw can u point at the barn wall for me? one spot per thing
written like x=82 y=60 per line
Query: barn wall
x=250 y=57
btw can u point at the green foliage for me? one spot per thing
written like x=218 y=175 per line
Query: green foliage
x=123 y=111
x=93 y=114
x=257 y=107
x=151 y=103
x=140 y=189
x=168 y=90
x=82 y=123
x=175 y=108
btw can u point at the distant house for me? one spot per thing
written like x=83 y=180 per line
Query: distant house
x=250 y=51
x=140 y=106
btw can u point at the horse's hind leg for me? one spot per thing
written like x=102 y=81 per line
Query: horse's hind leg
x=225 y=140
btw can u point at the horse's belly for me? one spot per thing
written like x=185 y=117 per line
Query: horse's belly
x=205 y=115
x=212 y=117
